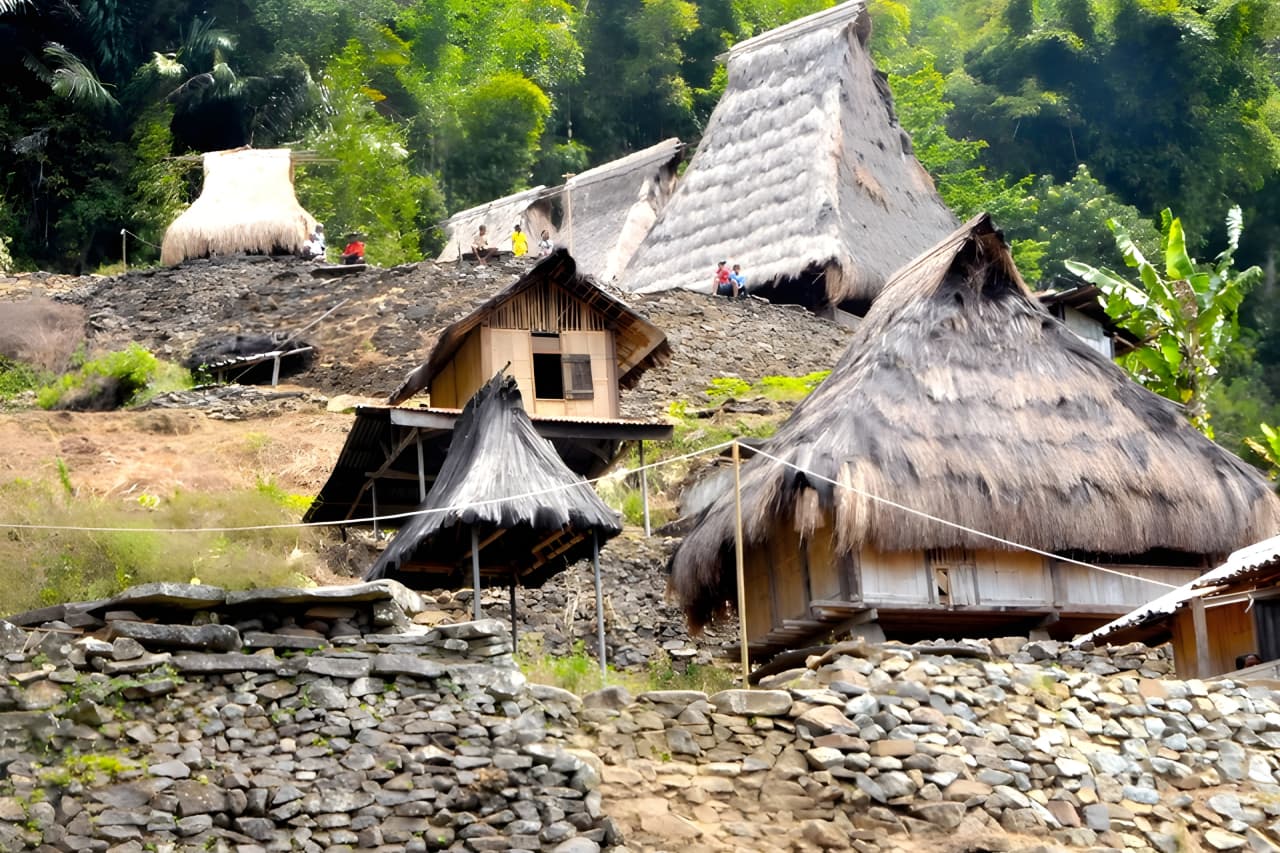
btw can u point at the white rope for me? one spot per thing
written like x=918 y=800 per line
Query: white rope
x=958 y=526
x=617 y=474
x=139 y=239
x=371 y=519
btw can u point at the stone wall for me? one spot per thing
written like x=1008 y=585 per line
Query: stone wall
x=997 y=745
x=303 y=723
x=180 y=718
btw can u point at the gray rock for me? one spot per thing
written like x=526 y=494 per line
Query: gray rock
x=613 y=698
x=350 y=667
x=126 y=648
x=754 y=703
x=218 y=638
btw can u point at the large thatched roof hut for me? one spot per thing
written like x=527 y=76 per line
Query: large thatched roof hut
x=961 y=398
x=502 y=487
x=246 y=205
x=803 y=176
x=601 y=215
x=611 y=208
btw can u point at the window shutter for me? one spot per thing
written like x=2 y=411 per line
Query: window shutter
x=577 y=377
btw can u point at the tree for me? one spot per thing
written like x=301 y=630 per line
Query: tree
x=1185 y=316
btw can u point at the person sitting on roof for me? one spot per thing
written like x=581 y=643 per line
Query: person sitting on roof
x=480 y=246
x=519 y=242
x=354 y=252
x=313 y=249
x=724 y=287
x=739 y=282
x=545 y=246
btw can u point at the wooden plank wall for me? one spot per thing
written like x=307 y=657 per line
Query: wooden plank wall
x=546 y=308
x=1013 y=578
x=894 y=577
x=1083 y=590
x=1230 y=630
x=757 y=571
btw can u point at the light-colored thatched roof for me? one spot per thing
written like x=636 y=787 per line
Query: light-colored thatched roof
x=507 y=483
x=961 y=397
x=638 y=344
x=604 y=212
x=530 y=209
x=246 y=205
x=802 y=165
x=614 y=206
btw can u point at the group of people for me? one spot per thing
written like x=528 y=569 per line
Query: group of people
x=314 y=249
x=519 y=244
x=731 y=283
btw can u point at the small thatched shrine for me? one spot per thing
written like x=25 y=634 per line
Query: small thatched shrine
x=503 y=507
x=960 y=398
x=246 y=206
x=803 y=176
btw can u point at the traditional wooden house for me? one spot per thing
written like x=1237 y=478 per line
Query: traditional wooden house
x=803 y=176
x=246 y=205
x=1216 y=620
x=1081 y=311
x=569 y=346
x=962 y=408
x=504 y=507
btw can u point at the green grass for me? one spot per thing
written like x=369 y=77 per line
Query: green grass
x=16 y=377
x=54 y=566
x=579 y=671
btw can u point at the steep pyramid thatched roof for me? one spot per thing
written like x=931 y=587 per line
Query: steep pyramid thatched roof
x=959 y=396
x=532 y=514
x=246 y=205
x=803 y=166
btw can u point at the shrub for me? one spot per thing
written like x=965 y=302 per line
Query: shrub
x=17 y=376
x=116 y=379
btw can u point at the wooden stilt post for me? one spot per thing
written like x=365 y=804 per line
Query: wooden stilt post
x=737 y=548
x=1200 y=627
x=124 y=250
x=275 y=371
x=644 y=491
x=515 y=633
x=475 y=573
x=595 y=565
x=422 y=469
x=373 y=497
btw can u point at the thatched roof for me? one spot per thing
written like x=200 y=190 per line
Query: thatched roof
x=614 y=206
x=803 y=165
x=247 y=205
x=961 y=397
x=530 y=209
x=507 y=483
x=638 y=344
x=605 y=212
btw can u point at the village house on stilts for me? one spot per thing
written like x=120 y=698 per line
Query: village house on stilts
x=960 y=399
x=246 y=206
x=504 y=508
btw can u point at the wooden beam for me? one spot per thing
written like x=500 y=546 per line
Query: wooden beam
x=1200 y=626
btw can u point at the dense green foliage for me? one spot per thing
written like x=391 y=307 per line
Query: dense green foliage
x=1185 y=314
x=1054 y=115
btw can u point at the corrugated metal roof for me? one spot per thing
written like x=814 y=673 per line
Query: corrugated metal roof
x=1259 y=555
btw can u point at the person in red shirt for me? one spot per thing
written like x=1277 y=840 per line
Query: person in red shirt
x=723 y=286
x=354 y=252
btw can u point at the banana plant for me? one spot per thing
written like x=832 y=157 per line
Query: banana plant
x=1186 y=314
x=1267 y=449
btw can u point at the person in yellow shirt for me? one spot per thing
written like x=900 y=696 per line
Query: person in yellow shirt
x=519 y=242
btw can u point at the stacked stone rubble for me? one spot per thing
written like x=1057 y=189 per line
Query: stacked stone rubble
x=213 y=736
x=878 y=749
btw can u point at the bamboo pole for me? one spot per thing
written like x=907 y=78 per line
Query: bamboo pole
x=124 y=250
x=475 y=574
x=595 y=565
x=737 y=548
x=644 y=491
